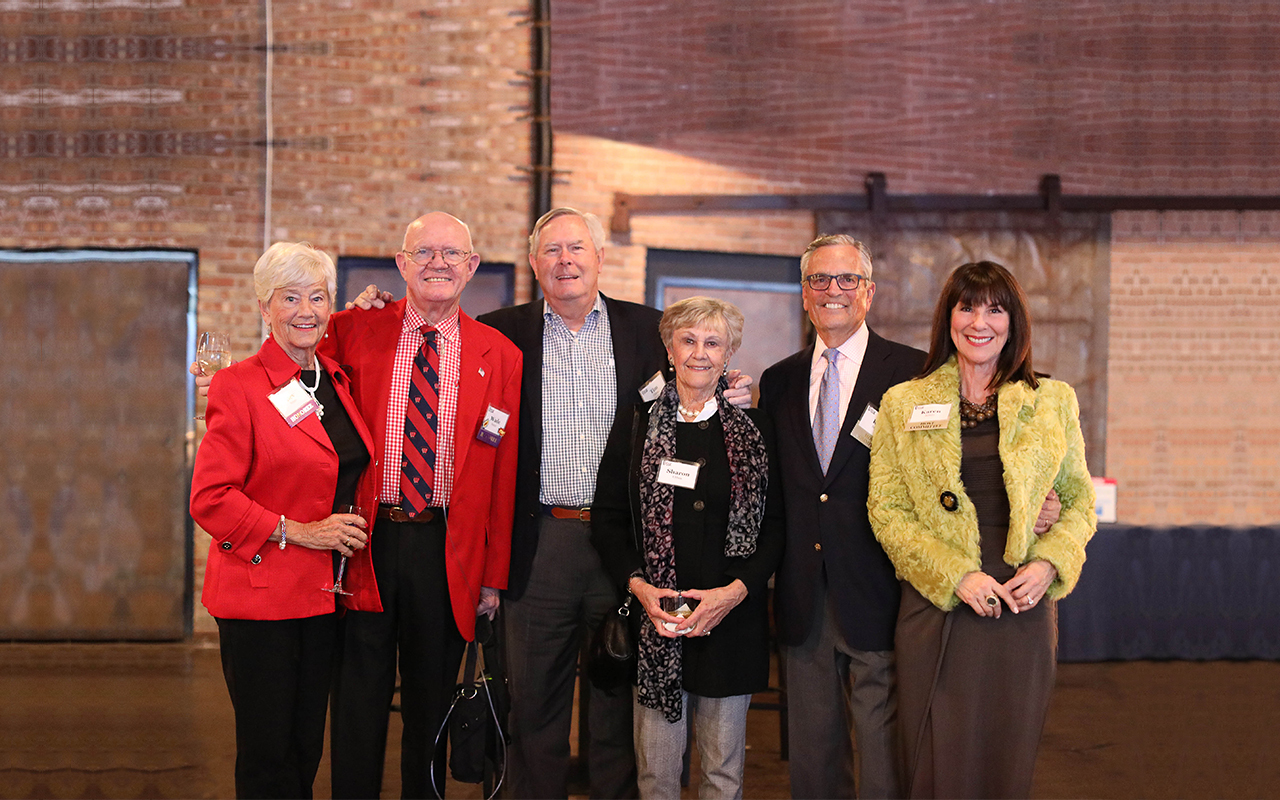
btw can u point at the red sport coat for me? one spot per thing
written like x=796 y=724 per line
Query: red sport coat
x=251 y=468
x=483 y=502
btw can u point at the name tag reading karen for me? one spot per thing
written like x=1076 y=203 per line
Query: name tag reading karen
x=494 y=426
x=866 y=426
x=653 y=387
x=678 y=473
x=293 y=402
x=930 y=416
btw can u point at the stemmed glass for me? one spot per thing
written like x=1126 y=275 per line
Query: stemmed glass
x=213 y=354
x=336 y=588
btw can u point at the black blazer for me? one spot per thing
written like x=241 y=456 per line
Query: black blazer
x=735 y=660
x=637 y=354
x=827 y=524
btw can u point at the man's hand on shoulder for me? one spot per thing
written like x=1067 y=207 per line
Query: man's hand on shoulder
x=371 y=298
x=739 y=391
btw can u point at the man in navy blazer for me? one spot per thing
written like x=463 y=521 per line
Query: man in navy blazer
x=836 y=600
x=586 y=359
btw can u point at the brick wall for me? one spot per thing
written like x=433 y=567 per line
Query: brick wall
x=142 y=124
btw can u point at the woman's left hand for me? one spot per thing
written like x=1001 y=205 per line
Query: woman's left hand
x=1030 y=583
x=713 y=605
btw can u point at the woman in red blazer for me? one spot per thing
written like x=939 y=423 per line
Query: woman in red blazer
x=285 y=449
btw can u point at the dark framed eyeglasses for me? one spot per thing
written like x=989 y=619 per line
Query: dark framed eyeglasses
x=450 y=255
x=847 y=281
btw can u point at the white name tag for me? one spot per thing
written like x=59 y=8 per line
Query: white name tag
x=678 y=473
x=929 y=417
x=866 y=426
x=494 y=426
x=293 y=402
x=653 y=387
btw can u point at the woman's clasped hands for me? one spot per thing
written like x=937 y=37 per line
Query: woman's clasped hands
x=713 y=605
x=986 y=596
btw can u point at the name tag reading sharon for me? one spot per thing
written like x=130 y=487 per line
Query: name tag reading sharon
x=653 y=387
x=293 y=402
x=929 y=416
x=866 y=426
x=678 y=473
x=494 y=426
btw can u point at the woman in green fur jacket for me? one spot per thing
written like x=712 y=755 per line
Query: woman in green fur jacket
x=961 y=461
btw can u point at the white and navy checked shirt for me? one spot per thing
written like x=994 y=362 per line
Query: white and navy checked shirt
x=579 y=398
x=450 y=345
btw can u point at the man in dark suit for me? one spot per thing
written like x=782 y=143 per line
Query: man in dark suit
x=836 y=603
x=587 y=357
x=426 y=378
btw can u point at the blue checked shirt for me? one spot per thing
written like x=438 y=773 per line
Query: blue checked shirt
x=579 y=397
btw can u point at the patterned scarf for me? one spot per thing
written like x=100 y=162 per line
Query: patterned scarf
x=659 y=658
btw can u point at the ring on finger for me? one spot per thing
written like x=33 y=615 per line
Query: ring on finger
x=992 y=601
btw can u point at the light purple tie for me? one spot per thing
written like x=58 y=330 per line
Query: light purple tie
x=826 y=422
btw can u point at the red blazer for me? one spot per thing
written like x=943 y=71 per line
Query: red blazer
x=483 y=503
x=251 y=468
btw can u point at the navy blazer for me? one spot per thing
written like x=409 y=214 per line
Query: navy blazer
x=637 y=354
x=827 y=526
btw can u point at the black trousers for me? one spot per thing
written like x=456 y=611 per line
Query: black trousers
x=278 y=673
x=417 y=624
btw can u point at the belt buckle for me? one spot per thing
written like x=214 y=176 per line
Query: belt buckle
x=584 y=514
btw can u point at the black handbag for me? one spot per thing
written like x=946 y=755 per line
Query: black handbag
x=477 y=742
x=611 y=657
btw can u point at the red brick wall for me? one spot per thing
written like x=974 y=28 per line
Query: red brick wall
x=942 y=95
x=142 y=124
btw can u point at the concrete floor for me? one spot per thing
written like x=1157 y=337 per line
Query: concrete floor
x=153 y=720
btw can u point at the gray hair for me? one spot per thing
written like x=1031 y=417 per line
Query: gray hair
x=293 y=264
x=694 y=311
x=830 y=239
x=594 y=227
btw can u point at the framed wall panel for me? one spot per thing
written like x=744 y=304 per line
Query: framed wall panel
x=96 y=416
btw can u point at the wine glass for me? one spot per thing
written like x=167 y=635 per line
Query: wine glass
x=336 y=588
x=213 y=354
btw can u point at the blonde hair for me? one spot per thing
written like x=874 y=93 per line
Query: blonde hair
x=293 y=264
x=694 y=311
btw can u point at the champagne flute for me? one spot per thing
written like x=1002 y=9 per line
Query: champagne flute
x=213 y=354
x=336 y=588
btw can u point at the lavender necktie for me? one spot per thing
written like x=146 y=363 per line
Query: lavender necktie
x=826 y=422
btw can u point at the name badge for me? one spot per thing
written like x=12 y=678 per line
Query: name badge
x=866 y=426
x=678 y=473
x=494 y=426
x=653 y=387
x=293 y=402
x=929 y=417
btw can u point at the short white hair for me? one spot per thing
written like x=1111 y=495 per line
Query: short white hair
x=594 y=227
x=832 y=239
x=293 y=264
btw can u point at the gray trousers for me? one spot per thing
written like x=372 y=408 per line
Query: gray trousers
x=832 y=691
x=719 y=730
x=567 y=597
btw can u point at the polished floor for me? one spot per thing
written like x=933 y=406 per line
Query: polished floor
x=144 y=721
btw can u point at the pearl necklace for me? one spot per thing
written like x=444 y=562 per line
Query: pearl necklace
x=311 y=390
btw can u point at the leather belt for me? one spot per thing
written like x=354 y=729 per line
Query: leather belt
x=398 y=514
x=567 y=512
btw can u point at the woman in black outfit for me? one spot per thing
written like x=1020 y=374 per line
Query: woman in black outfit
x=684 y=509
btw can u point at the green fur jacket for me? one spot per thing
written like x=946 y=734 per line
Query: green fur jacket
x=1042 y=448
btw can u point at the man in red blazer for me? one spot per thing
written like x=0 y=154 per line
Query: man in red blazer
x=442 y=540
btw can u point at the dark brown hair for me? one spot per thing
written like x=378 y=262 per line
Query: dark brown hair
x=980 y=283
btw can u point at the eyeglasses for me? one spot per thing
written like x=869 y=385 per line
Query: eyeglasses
x=451 y=256
x=847 y=281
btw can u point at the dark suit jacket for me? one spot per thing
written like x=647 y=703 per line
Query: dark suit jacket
x=251 y=468
x=481 y=507
x=827 y=523
x=637 y=354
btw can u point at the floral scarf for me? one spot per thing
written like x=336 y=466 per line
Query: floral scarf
x=659 y=658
